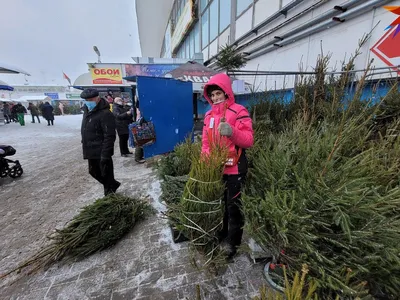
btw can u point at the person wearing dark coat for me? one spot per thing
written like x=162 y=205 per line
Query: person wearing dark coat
x=123 y=117
x=47 y=113
x=34 y=112
x=7 y=112
x=41 y=106
x=20 y=111
x=98 y=138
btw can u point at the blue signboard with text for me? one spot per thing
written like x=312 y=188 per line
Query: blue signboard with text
x=53 y=96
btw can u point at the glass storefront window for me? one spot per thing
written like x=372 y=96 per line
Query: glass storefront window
x=204 y=30
x=203 y=5
x=224 y=14
x=213 y=20
x=242 y=5
x=187 y=46
x=197 y=38
x=192 y=51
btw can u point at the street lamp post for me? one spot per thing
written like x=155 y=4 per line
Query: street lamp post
x=98 y=53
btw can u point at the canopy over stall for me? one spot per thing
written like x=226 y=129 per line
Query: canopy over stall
x=5 y=86
x=8 y=69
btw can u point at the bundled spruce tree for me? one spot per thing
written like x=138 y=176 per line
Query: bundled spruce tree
x=97 y=227
x=199 y=213
x=174 y=169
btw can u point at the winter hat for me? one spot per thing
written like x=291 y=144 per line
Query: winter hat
x=89 y=93
x=214 y=87
x=118 y=100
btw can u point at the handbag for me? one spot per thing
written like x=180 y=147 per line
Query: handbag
x=144 y=133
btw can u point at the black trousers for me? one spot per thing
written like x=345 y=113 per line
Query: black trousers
x=139 y=153
x=33 y=118
x=233 y=222
x=50 y=121
x=123 y=143
x=103 y=172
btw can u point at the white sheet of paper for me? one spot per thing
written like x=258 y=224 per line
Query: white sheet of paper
x=212 y=123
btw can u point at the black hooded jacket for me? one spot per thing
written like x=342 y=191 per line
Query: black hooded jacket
x=98 y=132
x=122 y=118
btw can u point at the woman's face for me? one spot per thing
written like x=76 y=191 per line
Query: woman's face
x=217 y=96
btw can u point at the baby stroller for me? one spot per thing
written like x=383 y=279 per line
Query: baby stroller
x=9 y=167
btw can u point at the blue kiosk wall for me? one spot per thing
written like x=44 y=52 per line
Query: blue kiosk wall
x=168 y=103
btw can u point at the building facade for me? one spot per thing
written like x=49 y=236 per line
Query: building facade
x=279 y=35
x=54 y=92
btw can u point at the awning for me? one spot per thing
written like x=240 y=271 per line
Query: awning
x=192 y=71
x=8 y=69
x=34 y=98
x=101 y=88
x=5 y=86
x=86 y=81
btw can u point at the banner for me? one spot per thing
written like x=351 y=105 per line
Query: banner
x=151 y=70
x=106 y=75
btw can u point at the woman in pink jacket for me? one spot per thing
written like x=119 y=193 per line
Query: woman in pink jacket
x=228 y=123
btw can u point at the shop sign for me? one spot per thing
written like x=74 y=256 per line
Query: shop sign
x=73 y=96
x=53 y=96
x=106 y=75
x=194 y=79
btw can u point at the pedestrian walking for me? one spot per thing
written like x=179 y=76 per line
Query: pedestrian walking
x=61 y=107
x=98 y=138
x=7 y=112
x=41 y=107
x=47 y=113
x=34 y=112
x=20 y=111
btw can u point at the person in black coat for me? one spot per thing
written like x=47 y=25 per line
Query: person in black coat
x=123 y=115
x=98 y=138
x=20 y=111
x=47 y=113
x=7 y=112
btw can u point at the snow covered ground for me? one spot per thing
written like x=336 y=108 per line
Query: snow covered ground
x=55 y=185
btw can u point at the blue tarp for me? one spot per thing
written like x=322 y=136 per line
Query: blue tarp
x=372 y=91
x=165 y=102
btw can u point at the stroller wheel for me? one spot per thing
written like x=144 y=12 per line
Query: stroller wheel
x=4 y=171
x=16 y=171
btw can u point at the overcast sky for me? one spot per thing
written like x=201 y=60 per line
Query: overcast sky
x=47 y=37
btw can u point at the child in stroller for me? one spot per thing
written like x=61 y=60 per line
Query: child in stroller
x=9 y=167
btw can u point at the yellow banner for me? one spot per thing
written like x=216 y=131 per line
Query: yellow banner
x=106 y=75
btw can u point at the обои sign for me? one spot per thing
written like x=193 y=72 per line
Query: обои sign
x=388 y=46
x=106 y=75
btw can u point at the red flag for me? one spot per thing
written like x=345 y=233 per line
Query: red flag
x=66 y=77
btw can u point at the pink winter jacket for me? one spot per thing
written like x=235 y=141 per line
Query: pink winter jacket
x=239 y=119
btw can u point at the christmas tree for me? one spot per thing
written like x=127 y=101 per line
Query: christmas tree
x=324 y=191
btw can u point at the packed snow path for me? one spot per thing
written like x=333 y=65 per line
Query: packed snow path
x=146 y=264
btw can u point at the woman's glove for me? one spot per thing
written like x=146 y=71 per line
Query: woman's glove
x=225 y=129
